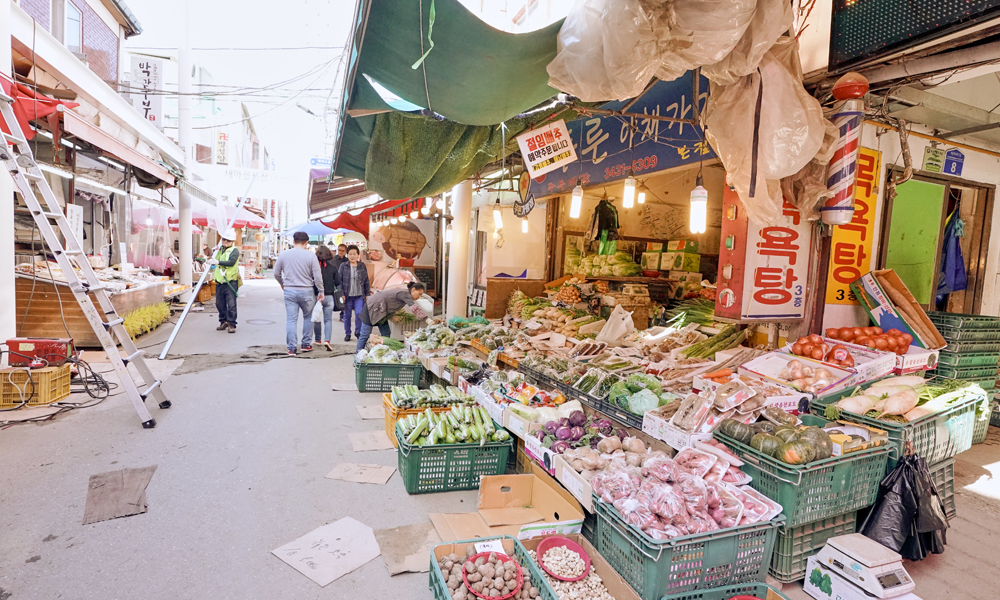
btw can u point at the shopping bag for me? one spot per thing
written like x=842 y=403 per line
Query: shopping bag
x=317 y=316
x=619 y=324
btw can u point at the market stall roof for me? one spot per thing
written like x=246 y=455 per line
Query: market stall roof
x=359 y=222
x=324 y=196
x=210 y=217
x=476 y=77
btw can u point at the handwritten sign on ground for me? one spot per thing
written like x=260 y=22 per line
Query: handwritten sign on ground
x=376 y=411
x=356 y=473
x=404 y=549
x=331 y=551
x=370 y=440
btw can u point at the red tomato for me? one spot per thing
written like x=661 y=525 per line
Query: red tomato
x=833 y=333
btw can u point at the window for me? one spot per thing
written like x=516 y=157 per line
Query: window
x=74 y=28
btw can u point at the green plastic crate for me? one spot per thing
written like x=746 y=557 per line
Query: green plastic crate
x=589 y=530
x=943 y=476
x=972 y=373
x=964 y=321
x=972 y=347
x=934 y=437
x=658 y=568
x=375 y=377
x=445 y=468
x=794 y=545
x=758 y=590
x=818 y=490
x=962 y=334
x=953 y=359
x=439 y=586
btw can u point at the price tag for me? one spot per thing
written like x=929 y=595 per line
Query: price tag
x=491 y=546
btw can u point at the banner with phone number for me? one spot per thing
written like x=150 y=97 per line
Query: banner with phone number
x=608 y=145
x=851 y=244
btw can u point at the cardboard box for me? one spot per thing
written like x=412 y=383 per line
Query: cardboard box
x=682 y=246
x=916 y=359
x=765 y=368
x=617 y=587
x=879 y=306
x=654 y=246
x=840 y=588
x=843 y=444
x=685 y=277
x=869 y=364
x=650 y=261
x=680 y=261
x=521 y=506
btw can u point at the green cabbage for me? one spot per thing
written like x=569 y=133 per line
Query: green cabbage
x=626 y=270
x=642 y=401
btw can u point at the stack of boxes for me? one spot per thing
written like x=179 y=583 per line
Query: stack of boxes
x=679 y=259
x=972 y=354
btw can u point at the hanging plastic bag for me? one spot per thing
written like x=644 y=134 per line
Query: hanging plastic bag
x=618 y=325
x=700 y=32
x=317 y=314
x=771 y=19
x=764 y=127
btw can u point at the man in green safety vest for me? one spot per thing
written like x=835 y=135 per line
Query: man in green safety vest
x=227 y=278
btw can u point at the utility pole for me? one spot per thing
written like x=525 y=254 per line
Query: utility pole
x=8 y=312
x=458 y=257
x=184 y=87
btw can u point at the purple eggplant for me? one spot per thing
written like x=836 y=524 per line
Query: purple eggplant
x=577 y=418
x=560 y=447
x=576 y=433
x=551 y=427
x=605 y=426
x=564 y=433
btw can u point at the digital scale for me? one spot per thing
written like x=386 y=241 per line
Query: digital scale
x=866 y=564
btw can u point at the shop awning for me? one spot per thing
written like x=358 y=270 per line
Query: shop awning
x=324 y=196
x=75 y=125
x=475 y=76
x=31 y=106
x=359 y=222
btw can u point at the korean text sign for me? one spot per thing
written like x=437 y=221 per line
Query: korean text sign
x=851 y=244
x=546 y=148
x=147 y=89
x=608 y=146
x=777 y=263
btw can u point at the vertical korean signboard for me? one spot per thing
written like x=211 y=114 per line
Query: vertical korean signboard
x=221 y=148
x=147 y=86
x=763 y=268
x=851 y=244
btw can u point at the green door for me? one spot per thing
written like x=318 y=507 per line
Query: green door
x=912 y=243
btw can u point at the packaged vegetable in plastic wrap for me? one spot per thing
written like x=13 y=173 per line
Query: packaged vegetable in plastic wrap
x=729 y=511
x=715 y=473
x=735 y=476
x=756 y=506
x=692 y=412
x=694 y=491
x=732 y=394
x=694 y=461
x=641 y=380
x=636 y=514
x=662 y=468
x=661 y=499
x=615 y=485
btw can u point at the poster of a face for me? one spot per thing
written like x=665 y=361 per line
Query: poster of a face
x=411 y=240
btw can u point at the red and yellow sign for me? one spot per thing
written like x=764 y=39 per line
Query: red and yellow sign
x=851 y=245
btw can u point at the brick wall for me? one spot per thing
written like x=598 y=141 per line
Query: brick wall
x=39 y=10
x=100 y=44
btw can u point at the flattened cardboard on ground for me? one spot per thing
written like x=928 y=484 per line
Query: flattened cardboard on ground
x=375 y=411
x=345 y=386
x=117 y=494
x=404 y=549
x=363 y=441
x=356 y=473
x=521 y=506
x=329 y=552
x=617 y=587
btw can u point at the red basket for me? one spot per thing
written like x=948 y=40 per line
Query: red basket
x=502 y=558
x=554 y=541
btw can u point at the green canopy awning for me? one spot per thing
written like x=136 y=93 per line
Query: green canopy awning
x=476 y=78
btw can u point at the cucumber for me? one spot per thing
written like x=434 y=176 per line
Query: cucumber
x=420 y=427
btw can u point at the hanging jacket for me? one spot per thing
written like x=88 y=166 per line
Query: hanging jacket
x=605 y=219
x=952 y=277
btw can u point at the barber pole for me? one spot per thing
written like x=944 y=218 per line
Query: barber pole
x=848 y=116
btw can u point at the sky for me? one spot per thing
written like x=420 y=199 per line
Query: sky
x=257 y=43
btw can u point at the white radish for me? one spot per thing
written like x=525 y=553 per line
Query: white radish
x=909 y=380
x=858 y=405
x=886 y=390
x=901 y=403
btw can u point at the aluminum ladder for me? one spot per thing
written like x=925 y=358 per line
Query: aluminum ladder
x=17 y=158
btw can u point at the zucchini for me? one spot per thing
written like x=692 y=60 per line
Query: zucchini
x=420 y=427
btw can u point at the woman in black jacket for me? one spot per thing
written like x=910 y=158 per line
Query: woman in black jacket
x=329 y=271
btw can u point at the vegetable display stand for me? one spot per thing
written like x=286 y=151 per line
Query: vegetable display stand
x=377 y=377
x=449 y=467
x=46 y=385
x=753 y=590
x=658 y=568
x=394 y=414
x=513 y=548
x=795 y=545
x=817 y=490
x=935 y=437
x=943 y=476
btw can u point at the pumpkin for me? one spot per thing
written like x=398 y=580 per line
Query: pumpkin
x=764 y=427
x=787 y=433
x=779 y=416
x=820 y=440
x=766 y=443
x=797 y=452
x=741 y=432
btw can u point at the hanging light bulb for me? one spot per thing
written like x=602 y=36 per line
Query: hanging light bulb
x=699 y=207
x=577 y=202
x=524 y=225
x=628 y=196
x=427 y=206
x=393 y=220
x=642 y=197
x=402 y=218
x=448 y=234
x=497 y=214
x=414 y=213
x=440 y=203
x=149 y=220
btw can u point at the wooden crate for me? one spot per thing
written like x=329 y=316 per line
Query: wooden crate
x=51 y=384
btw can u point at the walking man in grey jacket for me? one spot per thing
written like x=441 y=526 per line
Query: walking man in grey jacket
x=297 y=271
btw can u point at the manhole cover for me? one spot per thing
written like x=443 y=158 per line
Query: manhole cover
x=260 y=322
